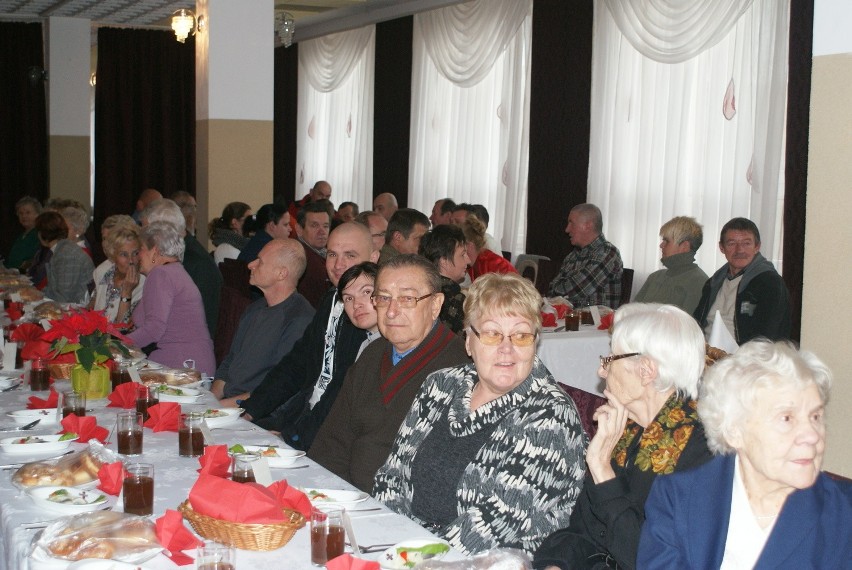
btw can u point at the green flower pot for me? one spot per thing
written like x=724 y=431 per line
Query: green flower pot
x=95 y=384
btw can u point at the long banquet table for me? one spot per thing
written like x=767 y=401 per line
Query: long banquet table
x=572 y=356
x=174 y=476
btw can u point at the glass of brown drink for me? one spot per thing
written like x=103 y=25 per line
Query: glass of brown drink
x=241 y=467
x=145 y=398
x=129 y=432
x=39 y=375
x=138 y=489
x=214 y=556
x=327 y=536
x=190 y=436
x=73 y=403
x=119 y=375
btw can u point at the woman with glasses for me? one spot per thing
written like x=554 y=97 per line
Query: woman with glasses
x=491 y=453
x=648 y=427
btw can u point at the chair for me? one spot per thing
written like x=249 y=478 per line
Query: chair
x=235 y=297
x=236 y=274
x=626 y=286
x=586 y=405
x=527 y=266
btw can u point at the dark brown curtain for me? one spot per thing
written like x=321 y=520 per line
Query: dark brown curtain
x=392 y=109
x=284 y=129
x=560 y=107
x=23 y=124
x=796 y=168
x=144 y=117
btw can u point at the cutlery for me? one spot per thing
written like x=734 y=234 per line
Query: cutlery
x=559 y=329
x=30 y=425
x=363 y=510
x=12 y=387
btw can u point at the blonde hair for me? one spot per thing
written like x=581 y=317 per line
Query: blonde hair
x=474 y=231
x=502 y=294
x=681 y=229
x=119 y=235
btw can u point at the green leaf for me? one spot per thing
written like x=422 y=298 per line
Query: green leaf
x=67 y=436
x=237 y=448
x=436 y=548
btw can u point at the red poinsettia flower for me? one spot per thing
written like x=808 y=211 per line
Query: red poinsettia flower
x=89 y=335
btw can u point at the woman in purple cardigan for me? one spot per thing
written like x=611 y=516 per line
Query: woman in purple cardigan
x=170 y=317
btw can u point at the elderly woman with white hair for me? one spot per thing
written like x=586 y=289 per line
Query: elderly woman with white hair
x=169 y=320
x=763 y=502
x=648 y=427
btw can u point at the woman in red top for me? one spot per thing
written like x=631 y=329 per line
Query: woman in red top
x=483 y=260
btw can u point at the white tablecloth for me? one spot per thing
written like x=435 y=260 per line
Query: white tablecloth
x=572 y=356
x=174 y=476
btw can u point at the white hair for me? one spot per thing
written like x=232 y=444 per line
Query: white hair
x=668 y=336
x=165 y=237
x=733 y=385
x=165 y=210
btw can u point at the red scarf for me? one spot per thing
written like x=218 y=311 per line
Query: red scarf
x=394 y=378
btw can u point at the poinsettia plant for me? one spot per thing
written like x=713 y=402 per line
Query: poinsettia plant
x=88 y=334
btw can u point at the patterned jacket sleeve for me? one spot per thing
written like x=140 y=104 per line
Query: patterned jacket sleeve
x=532 y=488
x=587 y=279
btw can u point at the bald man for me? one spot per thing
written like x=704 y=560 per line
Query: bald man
x=386 y=205
x=147 y=196
x=296 y=395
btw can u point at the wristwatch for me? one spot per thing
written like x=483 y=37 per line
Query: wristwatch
x=125 y=299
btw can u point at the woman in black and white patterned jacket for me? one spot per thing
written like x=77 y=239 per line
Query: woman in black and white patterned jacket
x=490 y=454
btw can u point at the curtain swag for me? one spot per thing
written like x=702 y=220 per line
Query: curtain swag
x=674 y=31
x=328 y=61
x=465 y=40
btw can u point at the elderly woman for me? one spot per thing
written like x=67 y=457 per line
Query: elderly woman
x=78 y=222
x=482 y=259
x=648 y=427
x=69 y=269
x=226 y=231
x=490 y=454
x=25 y=245
x=169 y=319
x=763 y=503
x=118 y=283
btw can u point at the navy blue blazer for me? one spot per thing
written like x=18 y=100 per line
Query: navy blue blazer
x=686 y=523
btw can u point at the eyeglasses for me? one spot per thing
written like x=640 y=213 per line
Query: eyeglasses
x=380 y=234
x=404 y=301
x=607 y=360
x=494 y=338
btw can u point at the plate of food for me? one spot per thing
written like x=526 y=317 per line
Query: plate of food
x=148 y=365
x=221 y=416
x=410 y=553
x=70 y=500
x=180 y=395
x=9 y=378
x=36 y=443
x=24 y=417
x=335 y=496
x=276 y=457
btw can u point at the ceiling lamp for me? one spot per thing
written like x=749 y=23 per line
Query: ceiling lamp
x=285 y=26
x=183 y=23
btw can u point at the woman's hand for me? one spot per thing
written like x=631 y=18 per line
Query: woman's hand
x=131 y=280
x=611 y=418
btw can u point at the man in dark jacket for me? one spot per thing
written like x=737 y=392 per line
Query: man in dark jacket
x=295 y=396
x=748 y=292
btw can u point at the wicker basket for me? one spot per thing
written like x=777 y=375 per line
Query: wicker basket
x=242 y=535
x=60 y=371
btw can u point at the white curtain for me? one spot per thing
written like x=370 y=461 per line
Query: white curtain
x=470 y=111
x=334 y=139
x=687 y=118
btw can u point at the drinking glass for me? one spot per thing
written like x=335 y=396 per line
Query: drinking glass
x=73 y=403
x=190 y=436
x=138 y=489
x=241 y=467
x=129 y=432
x=327 y=536
x=214 y=556
x=39 y=375
x=145 y=398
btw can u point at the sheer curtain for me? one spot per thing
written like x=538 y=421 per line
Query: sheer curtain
x=470 y=111
x=334 y=137
x=688 y=114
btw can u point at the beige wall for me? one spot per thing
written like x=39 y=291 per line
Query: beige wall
x=827 y=300
x=69 y=167
x=233 y=164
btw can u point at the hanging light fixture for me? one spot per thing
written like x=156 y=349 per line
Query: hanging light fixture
x=285 y=26
x=183 y=24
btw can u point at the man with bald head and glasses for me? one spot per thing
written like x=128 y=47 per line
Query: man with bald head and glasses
x=379 y=388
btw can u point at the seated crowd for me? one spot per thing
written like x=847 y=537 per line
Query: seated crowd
x=400 y=352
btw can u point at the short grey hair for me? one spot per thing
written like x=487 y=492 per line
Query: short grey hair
x=668 y=336
x=77 y=219
x=733 y=385
x=29 y=201
x=165 y=237
x=591 y=213
x=165 y=210
x=412 y=260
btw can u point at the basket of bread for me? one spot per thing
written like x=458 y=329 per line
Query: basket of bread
x=170 y=376
x=77 y=469
x=246 y=536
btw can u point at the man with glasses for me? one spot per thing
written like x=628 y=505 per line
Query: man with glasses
x=747 y=292
x=379 y=388
x=377 y=225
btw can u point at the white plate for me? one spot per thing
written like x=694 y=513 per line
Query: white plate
x=51 y=443
x=231 y=415
x=334 y=496
x=390 y=559
x=92 y=564
x=189 y=396
x=39 y=495
x=9 y=378
x=24 y=417
x=284 y=457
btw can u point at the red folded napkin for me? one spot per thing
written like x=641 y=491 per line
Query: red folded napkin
x=86 y=428
x=237 y=502
x=36 y=403
x=215 y=461
x=111 y=476
x=291 y=498
x=349 y=562
x=548 y=319
x=124 y=396
x=28 y=335
x=15 y=311
x=174 y=537
x=164 y=417
x=606 y=321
